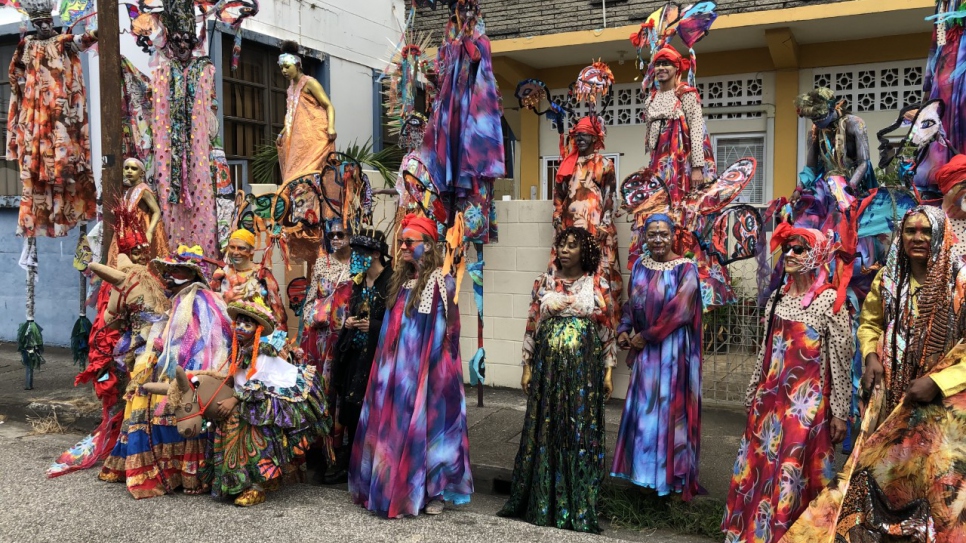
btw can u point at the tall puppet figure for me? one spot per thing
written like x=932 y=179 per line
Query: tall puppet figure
x=585 y=196
x=47 y=131
x=309 y=132
x=677 y=141
x=945 y=77
x=47 y=135
x=141 y=204
x=838 y=145
x=463 y=146
x=183 y=89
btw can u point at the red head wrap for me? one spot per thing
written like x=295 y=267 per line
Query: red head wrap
x=671 y=55
x=952 y=173
x=423 y=225
x=822 y=251
x=586 y=125
x=785 y=231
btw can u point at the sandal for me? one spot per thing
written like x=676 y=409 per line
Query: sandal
x=249 y=498
x=435 y=507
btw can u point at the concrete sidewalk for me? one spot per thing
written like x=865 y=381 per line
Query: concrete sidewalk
x=494 y=429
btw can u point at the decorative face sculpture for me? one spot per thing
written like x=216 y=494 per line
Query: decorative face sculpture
x=180 y=45
x=927 y=124
x=296 y=291
x=306 y=205
x=45 y=27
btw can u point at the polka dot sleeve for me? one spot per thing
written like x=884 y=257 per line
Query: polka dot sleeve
x=840 y=351
x=692 y=112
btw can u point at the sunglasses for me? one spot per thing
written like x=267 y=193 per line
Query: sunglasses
x=796 y=249
x=663 y=63
x=335 y=235
x=408 y=243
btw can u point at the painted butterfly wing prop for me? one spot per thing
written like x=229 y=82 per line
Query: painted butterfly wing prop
x=732 y=235
x=644 y=193
x=696 y=22
x=714 y=196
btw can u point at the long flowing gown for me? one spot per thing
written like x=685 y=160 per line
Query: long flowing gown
x=560 y=464
x=786 y=457
x=304 y=142
x=658 y=445
x=150 y=455
x=411 y=443
x=281 y=412
x=49 y=137
x=589 y=200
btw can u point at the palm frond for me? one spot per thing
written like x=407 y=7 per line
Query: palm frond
x=265 y=164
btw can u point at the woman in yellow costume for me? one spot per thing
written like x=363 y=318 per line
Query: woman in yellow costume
x=241 y=279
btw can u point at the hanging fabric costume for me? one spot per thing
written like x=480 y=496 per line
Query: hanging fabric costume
x=945 y=76
x=463 y=146
x=48 y=134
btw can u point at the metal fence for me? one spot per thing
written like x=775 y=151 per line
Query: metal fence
x=732 y=339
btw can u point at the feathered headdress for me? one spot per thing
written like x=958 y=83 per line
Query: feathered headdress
x=409 y=69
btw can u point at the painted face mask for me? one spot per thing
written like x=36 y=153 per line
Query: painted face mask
x=359 y=263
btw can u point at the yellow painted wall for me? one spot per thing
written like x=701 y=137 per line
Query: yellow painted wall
x=785 y=166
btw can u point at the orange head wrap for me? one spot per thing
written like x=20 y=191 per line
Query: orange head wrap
x=423 y=225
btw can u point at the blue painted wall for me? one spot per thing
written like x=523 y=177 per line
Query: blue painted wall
x=56 y=295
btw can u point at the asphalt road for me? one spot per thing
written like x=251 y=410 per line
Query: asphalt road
x=79 y=508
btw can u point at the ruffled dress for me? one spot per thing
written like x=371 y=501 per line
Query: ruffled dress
x=281 y=412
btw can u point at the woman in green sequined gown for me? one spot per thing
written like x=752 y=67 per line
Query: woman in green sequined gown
x=568 y=353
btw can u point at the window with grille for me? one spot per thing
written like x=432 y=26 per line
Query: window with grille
x=729 y=148
x=9 y=173
x=253 y=100
x=883 y=86
x=552 y=163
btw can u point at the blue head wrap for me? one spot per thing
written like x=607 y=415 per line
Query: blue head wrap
x=659 y=217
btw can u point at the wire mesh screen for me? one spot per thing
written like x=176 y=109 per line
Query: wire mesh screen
x=732 y=337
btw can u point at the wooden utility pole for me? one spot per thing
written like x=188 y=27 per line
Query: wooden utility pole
x=109 y=63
